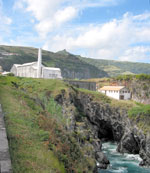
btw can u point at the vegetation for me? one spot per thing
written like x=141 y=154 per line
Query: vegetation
x=36 y=127
x=140 y=110
x=115 y=68
x=130 y=77
x=36 y=130
x=97 y=96
x=70 y=65
x=141 y=115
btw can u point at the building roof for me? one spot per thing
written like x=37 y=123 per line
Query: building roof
x=111 y=88
x=26 y=64
x=35 y=67
x=52 y=68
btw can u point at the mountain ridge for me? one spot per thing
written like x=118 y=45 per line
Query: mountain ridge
x=72 y=66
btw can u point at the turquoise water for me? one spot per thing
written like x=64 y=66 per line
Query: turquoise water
x=122 y=163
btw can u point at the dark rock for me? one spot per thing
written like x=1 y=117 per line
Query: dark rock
x=145 y=152
x=102 y=160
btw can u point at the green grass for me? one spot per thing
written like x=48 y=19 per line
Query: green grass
x=131 y=77
x=36 y=130
x=140 y=114
x=97 y=96
x=28 y=151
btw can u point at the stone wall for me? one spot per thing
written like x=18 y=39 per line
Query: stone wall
x=82 y=84
x=5 y=162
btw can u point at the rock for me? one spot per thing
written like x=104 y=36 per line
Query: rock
x=145 y=152
x=102 y=160
x=128 y=144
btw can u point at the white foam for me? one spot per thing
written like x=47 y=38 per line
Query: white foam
x=120 y=170
x=133 y=157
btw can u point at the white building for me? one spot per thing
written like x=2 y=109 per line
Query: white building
x=36 y=70
x=117 y=92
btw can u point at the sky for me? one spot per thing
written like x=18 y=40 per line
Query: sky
x=99 y=29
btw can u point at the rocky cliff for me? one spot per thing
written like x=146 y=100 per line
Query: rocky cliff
x=138 y=85
x=97 y=121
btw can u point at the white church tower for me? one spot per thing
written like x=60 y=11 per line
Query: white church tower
x=39 y=64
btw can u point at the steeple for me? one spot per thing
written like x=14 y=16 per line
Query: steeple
x=39 y=64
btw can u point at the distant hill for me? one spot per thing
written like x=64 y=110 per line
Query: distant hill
x=71 y=66
x=115 y=68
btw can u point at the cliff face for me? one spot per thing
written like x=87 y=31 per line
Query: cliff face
x=140 y=91
x=139 y=87
x=96 y=122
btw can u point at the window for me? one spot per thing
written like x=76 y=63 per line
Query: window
x=52 y=75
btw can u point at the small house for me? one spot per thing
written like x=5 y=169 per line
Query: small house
x=116 y=92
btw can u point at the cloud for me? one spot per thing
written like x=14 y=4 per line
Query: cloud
x=61 y=16
x=138 y=53
x=97 y=3
x=117 y=39
x=122 y=39
x=52 y=14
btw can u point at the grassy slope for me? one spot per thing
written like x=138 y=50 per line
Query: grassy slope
x=29 y=151
x=114 y=68
x=37 y=137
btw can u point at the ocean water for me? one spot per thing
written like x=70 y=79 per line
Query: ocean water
x=122 y=163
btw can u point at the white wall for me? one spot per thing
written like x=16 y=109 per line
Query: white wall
x=116 y=94
x=126 y=93
x=24 y=71
x=113 y=94
x=51 y=74
x=13 y=70
x=31 y=71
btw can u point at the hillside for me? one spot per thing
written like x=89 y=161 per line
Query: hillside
x=115 y=68
x=71 y=66
x=54 y=127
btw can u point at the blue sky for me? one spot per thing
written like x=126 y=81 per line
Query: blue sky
x=101 y=29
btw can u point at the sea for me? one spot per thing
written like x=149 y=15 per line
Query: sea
x=121 y=163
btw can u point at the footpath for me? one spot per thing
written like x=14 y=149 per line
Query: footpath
x=5 y=162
